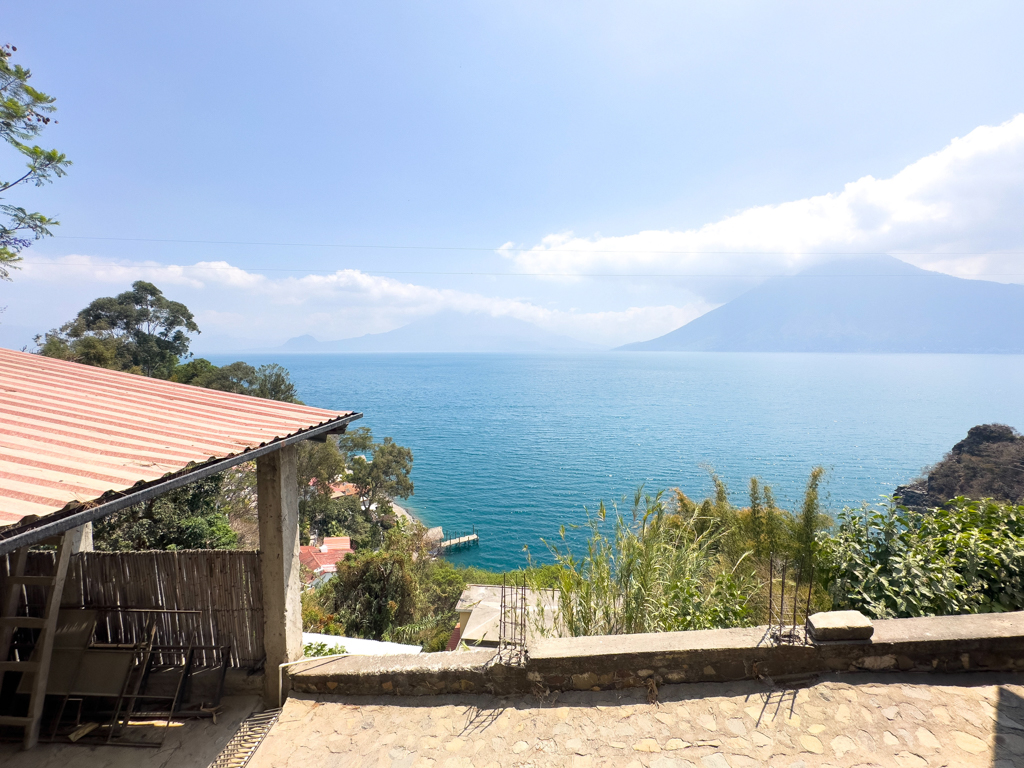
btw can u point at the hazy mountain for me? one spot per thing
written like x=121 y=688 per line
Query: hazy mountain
x=449 y=332
x=869 y=304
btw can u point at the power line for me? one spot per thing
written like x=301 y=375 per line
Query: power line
x=492 y=249
x=731 y=275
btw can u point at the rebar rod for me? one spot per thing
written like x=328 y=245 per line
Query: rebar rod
x=796 y=593
x=810 y=586
x=782 y=598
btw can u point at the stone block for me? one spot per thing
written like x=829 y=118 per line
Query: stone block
x=840 y=625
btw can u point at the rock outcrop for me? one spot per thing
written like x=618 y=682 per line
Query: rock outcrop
x=988 y=463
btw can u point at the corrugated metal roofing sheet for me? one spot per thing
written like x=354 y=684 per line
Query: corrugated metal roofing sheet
x=71 y=432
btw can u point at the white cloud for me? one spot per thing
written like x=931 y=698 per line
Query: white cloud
x=230 y=302
x=956 y=211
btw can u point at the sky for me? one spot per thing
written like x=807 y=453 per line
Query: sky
x=608 y=171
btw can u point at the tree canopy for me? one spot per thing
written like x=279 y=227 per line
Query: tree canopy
x=186 y=518
x=140 y=331
x=270 y=381
x=383 y=478
x=367 y=515
x=24 y=113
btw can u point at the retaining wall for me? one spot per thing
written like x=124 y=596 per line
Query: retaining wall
x=937 y=644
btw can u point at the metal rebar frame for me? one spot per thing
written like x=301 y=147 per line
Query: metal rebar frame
x=512 y=621
x=781 y=631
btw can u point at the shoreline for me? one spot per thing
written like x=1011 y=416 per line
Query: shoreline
x=403 y=512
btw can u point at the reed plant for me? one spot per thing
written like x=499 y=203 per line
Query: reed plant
x=652 y=570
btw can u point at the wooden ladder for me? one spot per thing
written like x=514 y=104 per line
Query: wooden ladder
x=38 y=665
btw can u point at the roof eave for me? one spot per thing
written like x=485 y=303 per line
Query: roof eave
x=78 y=513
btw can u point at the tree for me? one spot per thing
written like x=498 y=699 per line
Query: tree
x=140 y=331
x=270 y=381
x=320 y=465
x=186 y=518
x=367 y=516
x=24 y=112
x=384 y=478
x=399 y=593
x=273 y=382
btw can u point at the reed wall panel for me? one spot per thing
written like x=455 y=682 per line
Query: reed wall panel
x=205 y=597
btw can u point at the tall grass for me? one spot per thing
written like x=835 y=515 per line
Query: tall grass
x=653 y=571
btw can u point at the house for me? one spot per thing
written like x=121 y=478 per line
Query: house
x=320 y=562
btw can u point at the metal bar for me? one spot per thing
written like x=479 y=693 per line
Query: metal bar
x=782 y=598
x=61 y=521
x=810 y=586
x=796 y=593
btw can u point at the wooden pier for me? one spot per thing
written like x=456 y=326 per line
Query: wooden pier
x=457 y=541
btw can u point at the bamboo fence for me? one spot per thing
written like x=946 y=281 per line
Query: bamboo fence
x=191 y=598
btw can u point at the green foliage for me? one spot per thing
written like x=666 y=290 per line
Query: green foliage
x=398 y=593
x=238 y=502
x=313 y=650
x=383 y=478
x=374 y=592
x=270 y=381
x=24 y=112
x=809 y=523
x=655 y=572
x=544 y=576
x=892 y=562
x=140 y=331
x=365 y=517
x=186 y=518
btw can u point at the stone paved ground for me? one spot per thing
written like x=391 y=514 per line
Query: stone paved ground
x=899 y=720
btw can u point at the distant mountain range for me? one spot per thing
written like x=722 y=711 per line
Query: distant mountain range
x=450 y=332
x=868 y=304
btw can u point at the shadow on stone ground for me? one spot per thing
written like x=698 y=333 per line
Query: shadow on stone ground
x=901 y=720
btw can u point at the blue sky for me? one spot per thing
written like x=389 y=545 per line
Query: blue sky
x=586 y=138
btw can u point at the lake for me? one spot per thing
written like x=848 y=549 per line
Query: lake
x=518 y=445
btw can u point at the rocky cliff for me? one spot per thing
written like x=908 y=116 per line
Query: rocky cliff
x=988 y=463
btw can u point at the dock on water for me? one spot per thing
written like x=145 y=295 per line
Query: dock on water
x=459 y=541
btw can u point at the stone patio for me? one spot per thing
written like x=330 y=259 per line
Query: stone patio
x=902 y=720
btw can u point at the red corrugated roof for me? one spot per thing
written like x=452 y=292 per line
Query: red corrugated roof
x=71 y=432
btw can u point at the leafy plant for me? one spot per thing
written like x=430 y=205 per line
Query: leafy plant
x=398 y=593
x=889 y=561
x=24 y=113
x=312 y=650
x=141 y=331
x=185 y=518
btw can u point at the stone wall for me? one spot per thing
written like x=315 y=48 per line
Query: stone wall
x=938 y=644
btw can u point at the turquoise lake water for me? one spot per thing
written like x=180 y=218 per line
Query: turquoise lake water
x=518 y=445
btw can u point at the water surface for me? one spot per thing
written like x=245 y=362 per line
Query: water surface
x=518 y=445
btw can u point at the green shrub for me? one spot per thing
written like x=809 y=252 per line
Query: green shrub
x=312 y=650
x=891 y=562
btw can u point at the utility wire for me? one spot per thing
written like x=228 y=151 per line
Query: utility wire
x=731 y=275
x=492 y=249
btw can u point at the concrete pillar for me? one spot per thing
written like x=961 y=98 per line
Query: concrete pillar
x=278 y=504
x=81 y=540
